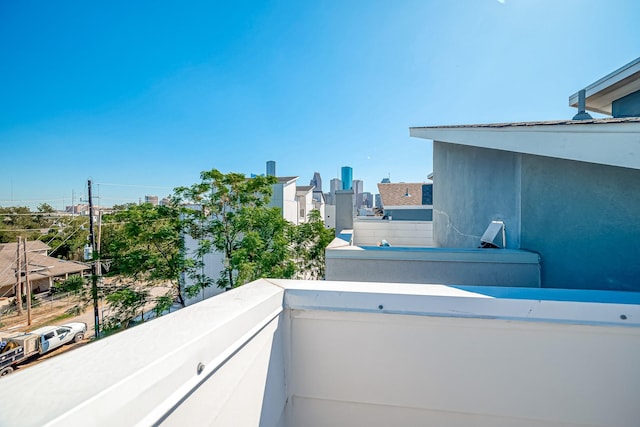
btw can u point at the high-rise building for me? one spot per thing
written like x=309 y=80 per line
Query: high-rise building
x=334 y=185
x=358 y=188
x=367 y=200
x=151 y=199
x=378 y=201
x=271 y=168
x=347 y=177
x=316 y=181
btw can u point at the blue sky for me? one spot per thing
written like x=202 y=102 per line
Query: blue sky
x=143 y=96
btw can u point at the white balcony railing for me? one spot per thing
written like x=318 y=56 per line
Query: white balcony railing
x=313 y=353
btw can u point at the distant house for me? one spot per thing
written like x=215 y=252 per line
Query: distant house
x=285 y=197
x=43 y=269
x=304 y=197
x=407 y=201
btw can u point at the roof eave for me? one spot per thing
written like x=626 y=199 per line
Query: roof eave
x=580 y=142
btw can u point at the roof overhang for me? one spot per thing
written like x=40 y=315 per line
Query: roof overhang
x=613 y=142
x=620 y=83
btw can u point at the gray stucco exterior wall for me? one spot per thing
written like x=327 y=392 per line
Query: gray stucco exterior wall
x=472 y=187
x=582 y=218
x=584 y=221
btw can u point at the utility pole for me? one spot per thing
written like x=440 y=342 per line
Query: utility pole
x=19 y=277
x=99 y=267
x=27 y=282
x=94 y=276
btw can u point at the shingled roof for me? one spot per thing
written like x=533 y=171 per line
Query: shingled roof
x=40 y=265
x=401 y=194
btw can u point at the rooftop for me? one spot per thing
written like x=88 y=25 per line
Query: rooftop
x=40 y=266
x=287 y=179
x=314 y=353
x=401 y=194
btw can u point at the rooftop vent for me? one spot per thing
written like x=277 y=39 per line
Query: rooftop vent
x=494 y=236
x=582 y=113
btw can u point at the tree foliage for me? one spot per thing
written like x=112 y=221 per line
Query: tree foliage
x=231 y=215
x=308 y=243
x=227 y=214
x=143 y=244
x=66 y=235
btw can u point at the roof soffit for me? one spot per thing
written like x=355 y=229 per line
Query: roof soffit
x=613 y=144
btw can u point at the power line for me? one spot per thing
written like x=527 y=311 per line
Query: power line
x=134 y=185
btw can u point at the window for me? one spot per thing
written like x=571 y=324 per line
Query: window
x=48 y=336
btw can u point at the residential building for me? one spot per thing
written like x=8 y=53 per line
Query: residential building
x=43 y=269
x=285 y=197
x=529 y=189
x=407 y=201
x=304 y=198
x=566 y=190
x=319 y=202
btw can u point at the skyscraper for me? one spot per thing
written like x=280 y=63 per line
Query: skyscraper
x=271 y=168
x=334 y=186
x=347 y=178
x=358 y=189
x=316 y=181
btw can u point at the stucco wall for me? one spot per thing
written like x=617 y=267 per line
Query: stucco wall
x=584 y=220
x=485 y=267
x=472 y=187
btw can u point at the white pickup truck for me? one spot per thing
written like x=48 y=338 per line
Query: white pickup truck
x=17 y=347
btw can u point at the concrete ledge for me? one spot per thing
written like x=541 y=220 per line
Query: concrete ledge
x=514 y=256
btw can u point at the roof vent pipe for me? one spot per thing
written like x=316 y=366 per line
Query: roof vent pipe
x=582 y=113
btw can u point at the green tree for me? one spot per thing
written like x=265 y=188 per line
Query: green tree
x=232 y=217
x=67 y=237
x=145 y=248
x=309 y=241
x=19 y=221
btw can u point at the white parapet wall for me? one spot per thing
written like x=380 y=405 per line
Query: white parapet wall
x=370 y=232
x=283 y=353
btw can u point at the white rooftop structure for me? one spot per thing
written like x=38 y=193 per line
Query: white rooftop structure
x=315 y=353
